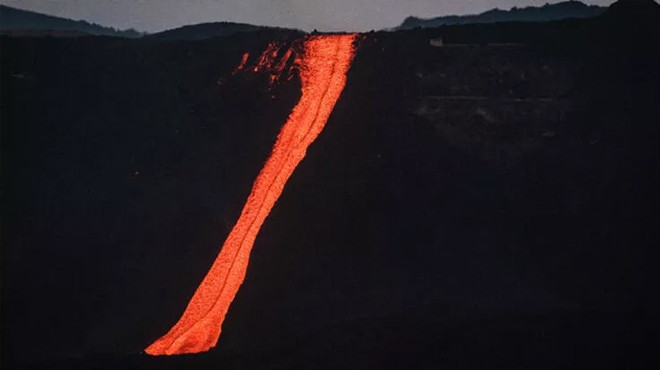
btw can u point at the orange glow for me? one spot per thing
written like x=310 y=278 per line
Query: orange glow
x=268 y=62
x=278 y=69
x=323 y=69
x=242 y=64
x=267 y=57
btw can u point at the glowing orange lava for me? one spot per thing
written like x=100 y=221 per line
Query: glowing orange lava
x=268 y=62
x=279 y=68
x=267 y=56
x=242 y=64
x=323 y=69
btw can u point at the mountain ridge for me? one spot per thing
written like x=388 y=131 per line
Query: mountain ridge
x=547 y=12
x=202 y=31
x=15 y=21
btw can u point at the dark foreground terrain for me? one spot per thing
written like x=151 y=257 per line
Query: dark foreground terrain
x=491 y=203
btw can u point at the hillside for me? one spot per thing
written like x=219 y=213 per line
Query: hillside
x=23 y=23
x=211 y=30
x=547 y=12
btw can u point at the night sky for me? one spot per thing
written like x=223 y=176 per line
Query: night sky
x=336 y=15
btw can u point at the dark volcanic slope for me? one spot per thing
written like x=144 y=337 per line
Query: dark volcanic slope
x=466 y=206
x=131 y=170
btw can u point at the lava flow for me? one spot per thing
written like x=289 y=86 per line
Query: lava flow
x=323 y=67
x=242 y=64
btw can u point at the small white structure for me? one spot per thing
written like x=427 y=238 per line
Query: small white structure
x=436 y=42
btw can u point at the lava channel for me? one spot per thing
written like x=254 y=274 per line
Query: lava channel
x=323 y=68
x=242 y=64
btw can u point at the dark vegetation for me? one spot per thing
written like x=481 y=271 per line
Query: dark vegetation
x=24 y=23
x=547 y=12
x=474 y=206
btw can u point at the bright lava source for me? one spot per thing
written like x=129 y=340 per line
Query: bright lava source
x=323 y=68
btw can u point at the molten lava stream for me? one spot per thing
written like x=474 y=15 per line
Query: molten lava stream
x=240 y=66
x=323 y=69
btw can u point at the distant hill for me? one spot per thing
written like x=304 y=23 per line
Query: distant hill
x=20 y=22
x=210 y=30
x=547 y=12
x=634 y=10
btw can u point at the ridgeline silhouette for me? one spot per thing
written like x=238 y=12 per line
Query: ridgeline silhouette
x=20 y=22
x=547 y=12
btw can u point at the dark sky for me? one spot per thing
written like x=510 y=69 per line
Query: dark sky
x=324 y=15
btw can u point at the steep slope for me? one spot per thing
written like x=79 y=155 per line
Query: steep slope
x=323 y=63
